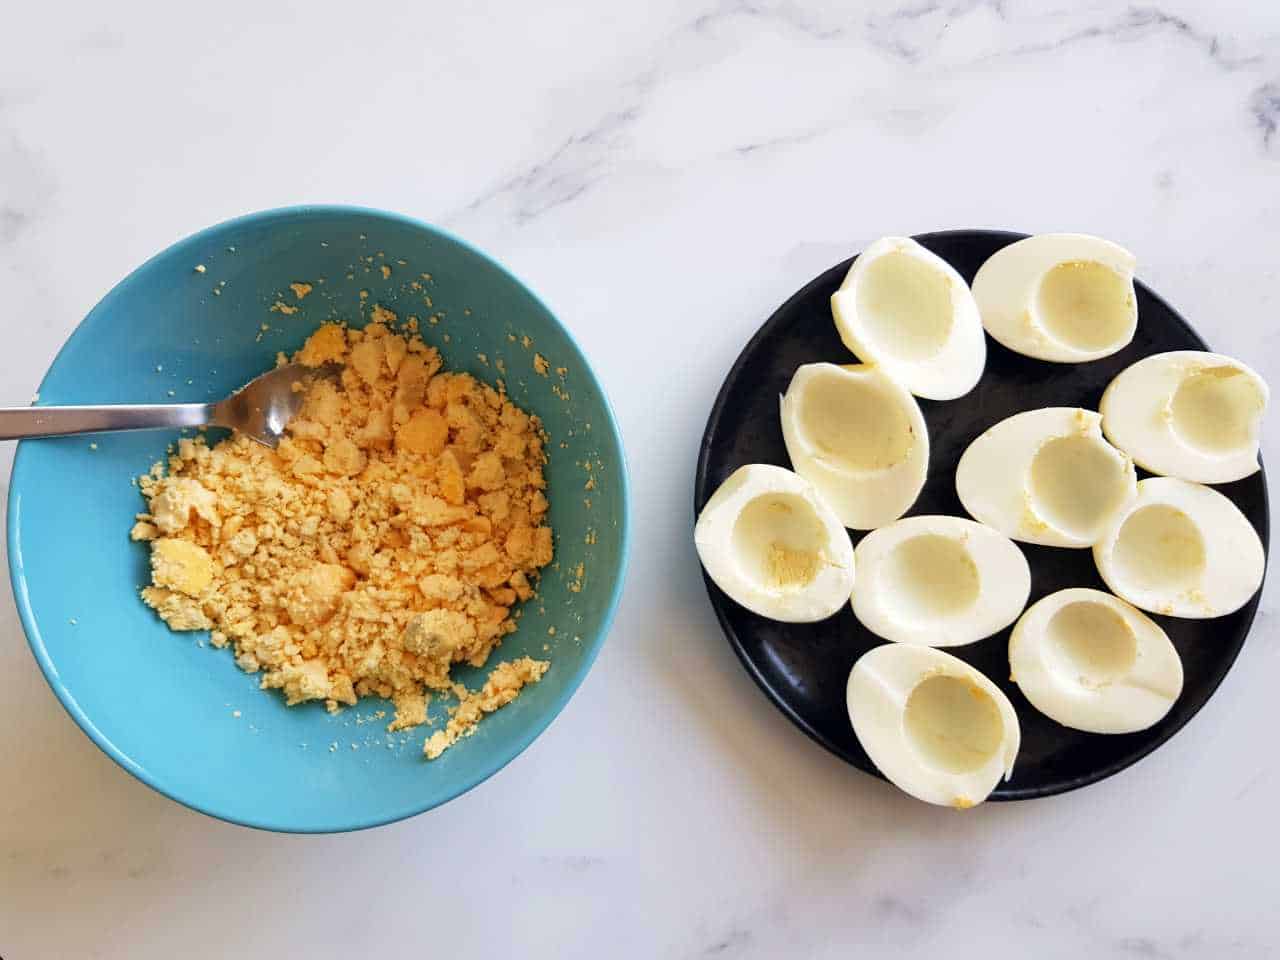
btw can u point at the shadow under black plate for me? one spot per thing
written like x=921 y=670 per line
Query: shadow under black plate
x=803 y=668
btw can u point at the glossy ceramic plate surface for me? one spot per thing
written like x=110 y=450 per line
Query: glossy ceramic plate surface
x=803 y=668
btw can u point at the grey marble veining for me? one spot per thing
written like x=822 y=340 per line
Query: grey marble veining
x=664 y=174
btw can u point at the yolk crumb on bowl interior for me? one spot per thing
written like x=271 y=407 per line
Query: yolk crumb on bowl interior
x=386 y=539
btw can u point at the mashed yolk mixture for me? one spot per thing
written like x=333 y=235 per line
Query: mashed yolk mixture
x=385 y=540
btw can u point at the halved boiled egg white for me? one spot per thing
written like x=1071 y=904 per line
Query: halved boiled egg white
x=1045 y=476
x=933 y=725
x=906 y=310
x=767 y=540
x=938 y=581
x=1092 y=662
x=1181 y=549
x=1187 y=414
x=1064 y=297
x=858 y=436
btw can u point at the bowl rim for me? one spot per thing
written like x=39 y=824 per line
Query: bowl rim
x=500 y=758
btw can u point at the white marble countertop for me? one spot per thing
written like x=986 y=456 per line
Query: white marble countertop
x=665 y=173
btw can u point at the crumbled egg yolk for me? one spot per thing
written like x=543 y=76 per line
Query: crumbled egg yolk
x=386 y=539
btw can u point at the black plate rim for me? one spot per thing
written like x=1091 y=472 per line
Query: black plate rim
x=1003 y=793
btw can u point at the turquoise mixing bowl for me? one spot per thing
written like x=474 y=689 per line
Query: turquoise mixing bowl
x=195 y=322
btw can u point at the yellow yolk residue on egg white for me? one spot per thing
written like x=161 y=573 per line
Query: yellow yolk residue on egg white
x=791 y=568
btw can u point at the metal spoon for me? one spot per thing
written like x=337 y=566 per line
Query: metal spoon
x=260 y=410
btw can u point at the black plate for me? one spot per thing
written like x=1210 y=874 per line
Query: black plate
x=803 y=667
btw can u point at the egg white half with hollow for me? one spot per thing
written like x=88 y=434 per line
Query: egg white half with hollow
x=938 y=581
x=933 y=725
x=1187 y=414
x=908 y=311
x=1092 y=662
x=1181 y=549
x=1045 y=476
x=1063 y=297
x=771 y=544
x=858 y=436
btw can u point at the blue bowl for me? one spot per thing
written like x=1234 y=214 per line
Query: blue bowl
x=177 y=713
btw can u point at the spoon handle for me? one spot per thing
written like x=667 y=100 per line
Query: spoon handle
x=21 y=423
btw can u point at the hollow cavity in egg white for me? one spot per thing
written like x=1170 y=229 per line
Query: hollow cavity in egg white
x=779 y=541
x=1188 y=414
x=906 y=310
x=1085 y=305
x=938 y=581
x=1216 y=409
x=905 y=306
x=859 y=437
x=855 y=424
x=1159 y=547
x=773 y=546
x=1092 y=643
x=1090 y=661
x=1045 y=476
x=933 y=725
x=953 y=725
x=1065 y=298
x=1181 y=549
x=1075 y=482
x=932 y=577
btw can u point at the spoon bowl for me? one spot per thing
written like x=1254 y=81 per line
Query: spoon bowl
x=263 y=407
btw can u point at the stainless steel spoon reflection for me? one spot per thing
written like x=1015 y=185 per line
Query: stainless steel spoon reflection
x=260 y=410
